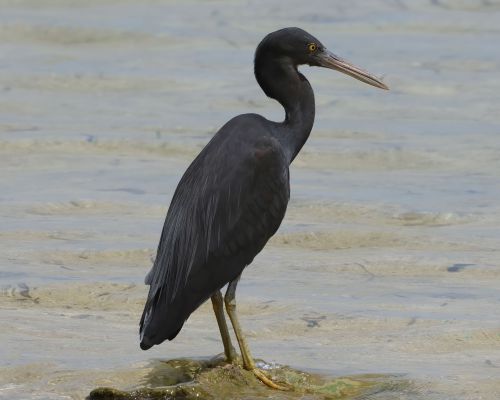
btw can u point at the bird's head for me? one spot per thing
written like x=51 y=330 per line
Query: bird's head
x=297 y=47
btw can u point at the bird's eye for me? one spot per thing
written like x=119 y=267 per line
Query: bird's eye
x=312 y=47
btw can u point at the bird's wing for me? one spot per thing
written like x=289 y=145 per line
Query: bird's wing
x=233 y=197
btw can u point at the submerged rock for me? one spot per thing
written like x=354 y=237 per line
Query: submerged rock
x=215 y=379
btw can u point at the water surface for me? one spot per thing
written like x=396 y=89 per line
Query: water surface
x=387 y=261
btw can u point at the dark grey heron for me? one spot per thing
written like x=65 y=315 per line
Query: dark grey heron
x=233 y=196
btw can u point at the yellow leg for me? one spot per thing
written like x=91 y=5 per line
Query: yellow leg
x=218 y=305
x=248 y=362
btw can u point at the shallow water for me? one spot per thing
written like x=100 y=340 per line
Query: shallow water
x=387 y=261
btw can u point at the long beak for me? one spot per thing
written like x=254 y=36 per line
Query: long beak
x=330 y=60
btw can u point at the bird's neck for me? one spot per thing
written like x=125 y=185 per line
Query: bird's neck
x=281 y=81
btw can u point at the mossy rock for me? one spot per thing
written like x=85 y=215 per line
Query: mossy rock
x=214 y=379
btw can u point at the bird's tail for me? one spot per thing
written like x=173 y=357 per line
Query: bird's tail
x=160 y=320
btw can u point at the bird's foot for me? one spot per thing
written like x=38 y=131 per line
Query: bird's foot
x=268 y=381
x=233 y=357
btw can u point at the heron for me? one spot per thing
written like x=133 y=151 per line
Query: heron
x=232 y=198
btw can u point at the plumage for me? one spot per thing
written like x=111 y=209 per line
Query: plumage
x=220 y=217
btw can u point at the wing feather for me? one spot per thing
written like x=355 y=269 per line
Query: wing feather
x=213 y=200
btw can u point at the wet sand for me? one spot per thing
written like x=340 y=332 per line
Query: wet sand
x=387 y=261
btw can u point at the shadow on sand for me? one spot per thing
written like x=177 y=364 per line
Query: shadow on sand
x=215 y=379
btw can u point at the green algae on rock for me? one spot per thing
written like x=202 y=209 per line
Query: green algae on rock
x=215 y=379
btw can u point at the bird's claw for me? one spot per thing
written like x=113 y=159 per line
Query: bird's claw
x=268 y=381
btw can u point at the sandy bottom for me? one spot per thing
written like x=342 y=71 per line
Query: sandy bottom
x=67 y=339
x=387 y=263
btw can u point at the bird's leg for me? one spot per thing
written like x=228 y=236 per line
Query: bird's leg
x=248 y=362
x=230 y=301
x=218 y=305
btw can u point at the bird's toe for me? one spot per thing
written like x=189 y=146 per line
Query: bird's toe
x=268 y=381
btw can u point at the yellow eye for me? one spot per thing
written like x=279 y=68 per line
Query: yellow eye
x=312 y=47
